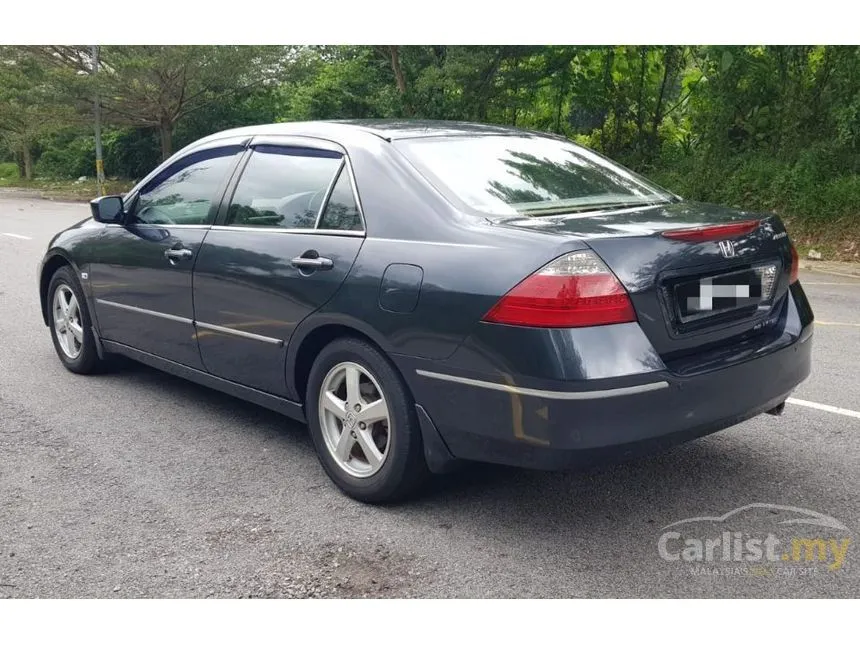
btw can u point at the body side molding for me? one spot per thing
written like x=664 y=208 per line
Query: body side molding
x=548 y=394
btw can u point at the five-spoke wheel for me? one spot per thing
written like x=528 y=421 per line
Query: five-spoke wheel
x=71 y=326
x=354 y=418
x=363 y=422
x=67 y=322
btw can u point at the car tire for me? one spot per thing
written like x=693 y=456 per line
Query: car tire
x=73 y=339
x=332 y=410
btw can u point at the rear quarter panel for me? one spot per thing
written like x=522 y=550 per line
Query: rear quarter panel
x=466 y=263
x=461 y=282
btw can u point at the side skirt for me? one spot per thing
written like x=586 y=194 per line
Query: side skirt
x=284 y=406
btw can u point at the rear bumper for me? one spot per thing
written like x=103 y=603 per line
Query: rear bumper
x=549 y=425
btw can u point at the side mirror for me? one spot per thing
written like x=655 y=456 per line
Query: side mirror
x=108 y=209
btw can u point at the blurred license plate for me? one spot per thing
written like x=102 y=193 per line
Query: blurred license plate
x=718 y=294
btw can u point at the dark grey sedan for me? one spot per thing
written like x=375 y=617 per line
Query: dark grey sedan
x=423 y=293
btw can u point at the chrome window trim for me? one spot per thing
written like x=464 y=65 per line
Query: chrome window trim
x=187 y=226
x=242 y=334
x=274 y=229
x=548 y=394
x=140 y=310
x=457 y=244
x=355 y=193
x=328 y=192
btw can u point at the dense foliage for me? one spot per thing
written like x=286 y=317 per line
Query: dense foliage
x=764 y=127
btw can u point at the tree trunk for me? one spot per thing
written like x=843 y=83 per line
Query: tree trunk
x=562 y=91
x=19 y=161
x=617 y=98
x=165 y=131
x=640 y=112
x=27 y=158
x=399 y=77
x=668 y=70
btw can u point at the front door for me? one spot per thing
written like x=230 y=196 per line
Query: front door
x=142 y=278
x=279 y=252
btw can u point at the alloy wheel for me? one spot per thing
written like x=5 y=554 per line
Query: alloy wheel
x=67 y=322
x=355 y=420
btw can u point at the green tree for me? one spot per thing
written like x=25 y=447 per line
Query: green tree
x=28 y=107
x=158 y=86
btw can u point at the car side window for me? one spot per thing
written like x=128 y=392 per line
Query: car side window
x=342 y=212
x=183 y=192
x=283 y=186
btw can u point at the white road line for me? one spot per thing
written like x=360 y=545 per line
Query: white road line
x=15 y=235
x=840 y=274
x=825 y=408
x=837 y=324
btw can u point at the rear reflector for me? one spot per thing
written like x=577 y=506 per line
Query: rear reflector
x=709 y=233
x=795 y=266
x=575 y=290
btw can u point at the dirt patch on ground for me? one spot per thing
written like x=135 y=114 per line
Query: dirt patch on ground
x=277 y=567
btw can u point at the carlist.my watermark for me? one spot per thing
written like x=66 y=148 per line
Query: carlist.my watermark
x=757 y=539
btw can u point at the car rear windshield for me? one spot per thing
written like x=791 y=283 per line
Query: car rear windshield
x=526 y=175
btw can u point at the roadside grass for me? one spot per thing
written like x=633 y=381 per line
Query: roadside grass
x=62 y=189
x=8 y=170
x=838 y=240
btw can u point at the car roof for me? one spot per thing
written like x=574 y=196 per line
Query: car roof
x=388 y=129
x=406 y=128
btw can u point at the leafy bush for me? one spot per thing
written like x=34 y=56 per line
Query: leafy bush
x=67 y=156
x=130 y=152
x=8 y=170
x=811 y=189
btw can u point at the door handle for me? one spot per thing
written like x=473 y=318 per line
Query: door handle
x=175 y=255
x=312 y=264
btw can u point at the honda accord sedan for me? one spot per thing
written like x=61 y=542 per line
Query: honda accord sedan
x=427 y=293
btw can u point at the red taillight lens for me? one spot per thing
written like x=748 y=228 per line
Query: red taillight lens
x=709 y=233
x=795 y=266
x=575 y=290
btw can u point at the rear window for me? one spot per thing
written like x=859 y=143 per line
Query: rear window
x=526 y=175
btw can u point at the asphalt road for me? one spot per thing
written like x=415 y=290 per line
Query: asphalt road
x=136 y=483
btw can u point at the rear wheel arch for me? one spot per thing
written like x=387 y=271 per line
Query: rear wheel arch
x=309 y=339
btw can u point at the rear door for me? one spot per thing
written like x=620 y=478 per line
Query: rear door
x=142 y=278
x=281 y=247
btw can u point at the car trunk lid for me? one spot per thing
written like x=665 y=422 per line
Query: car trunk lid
x=699 y=276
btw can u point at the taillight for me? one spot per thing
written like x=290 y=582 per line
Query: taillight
x=795 y=266
x=575 y=290
x=710 y=233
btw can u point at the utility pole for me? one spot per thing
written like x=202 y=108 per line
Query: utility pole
x=97 y=110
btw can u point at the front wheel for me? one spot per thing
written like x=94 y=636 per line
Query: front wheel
x=363 y=423
x=71 y=327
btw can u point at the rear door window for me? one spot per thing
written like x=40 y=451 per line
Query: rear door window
x=283 y=187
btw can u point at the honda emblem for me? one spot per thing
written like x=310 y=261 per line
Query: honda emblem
x=727 y=248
